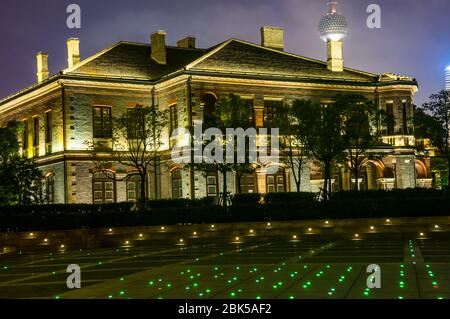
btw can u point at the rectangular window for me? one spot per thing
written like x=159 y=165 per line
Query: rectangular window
x=25 y=135
x=211 y=184
x=104 y=191
x=173 y=118
x=135 y=122
x=270 y=110
x=177 y=184
x=102 y=122
x=248 y=184
x=134 y=189
x=405 y=118
x=390 y=118
x=36 y=131
x=48 y=127
x=276 y=183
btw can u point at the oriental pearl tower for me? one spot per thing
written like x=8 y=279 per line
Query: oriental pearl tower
x=333 y=28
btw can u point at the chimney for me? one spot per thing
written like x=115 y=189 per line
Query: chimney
x=42 y=66
x=158 y=40
x=335 y=56
x=272 y=37
x=73 y=52
x=188 y=42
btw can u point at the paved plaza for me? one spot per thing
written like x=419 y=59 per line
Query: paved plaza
x=247 y=267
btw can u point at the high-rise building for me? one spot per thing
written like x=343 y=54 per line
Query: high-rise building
x=447 y=78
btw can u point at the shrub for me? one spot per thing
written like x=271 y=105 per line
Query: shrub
x=271 y=198
x=246 y=199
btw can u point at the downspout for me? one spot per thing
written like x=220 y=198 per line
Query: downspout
x=63 y=105
x=155 y=166
x=191 y=126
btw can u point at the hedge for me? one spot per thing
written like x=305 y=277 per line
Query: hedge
x=245 y=208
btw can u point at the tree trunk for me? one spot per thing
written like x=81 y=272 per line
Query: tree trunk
x=143 y=199
x=225 y=190
x=155 y=178
x=326 y=180
x=298 y=182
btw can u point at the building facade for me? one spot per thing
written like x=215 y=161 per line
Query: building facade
x=62 y=112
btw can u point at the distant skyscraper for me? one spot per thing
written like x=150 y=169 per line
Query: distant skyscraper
x=447 y=78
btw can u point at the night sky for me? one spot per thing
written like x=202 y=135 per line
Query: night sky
x=414 y=39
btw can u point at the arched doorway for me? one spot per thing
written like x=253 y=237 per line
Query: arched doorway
x=371 y=172
x=421 y=170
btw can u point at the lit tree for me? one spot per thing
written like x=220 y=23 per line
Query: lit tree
x=438 y=108
x=20 y=177
x=293 y=144
x=137 y=140
x=362 y=128
x=230 y=113
x=322 y=135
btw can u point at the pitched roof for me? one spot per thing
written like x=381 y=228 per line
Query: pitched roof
x=133 y=61
x=236 y=56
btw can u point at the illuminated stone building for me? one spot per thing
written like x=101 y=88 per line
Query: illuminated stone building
x=63 y=111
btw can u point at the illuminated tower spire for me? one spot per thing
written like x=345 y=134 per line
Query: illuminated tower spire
x=333 y=29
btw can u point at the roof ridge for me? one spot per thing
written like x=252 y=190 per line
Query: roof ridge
x=223 y=44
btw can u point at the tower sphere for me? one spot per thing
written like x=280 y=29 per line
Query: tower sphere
x=333 y=26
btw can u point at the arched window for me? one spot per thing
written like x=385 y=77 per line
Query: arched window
x=177 y=184
x=276 y=183
x=209 y=101
x=104 y=188
x=48 y=188
x=134 y=188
